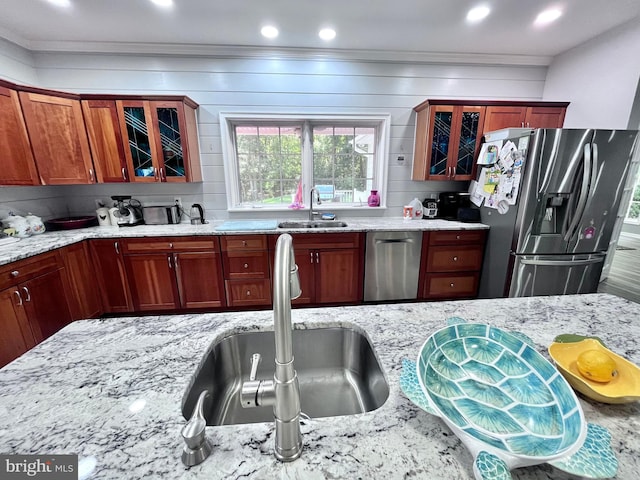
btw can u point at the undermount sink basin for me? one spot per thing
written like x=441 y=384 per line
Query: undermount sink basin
x=338 y=372
x=313 y=224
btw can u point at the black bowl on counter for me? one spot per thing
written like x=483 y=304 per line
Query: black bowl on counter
x=70 y=223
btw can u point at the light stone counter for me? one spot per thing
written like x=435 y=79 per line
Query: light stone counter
x=75 y=393
x=47 y=241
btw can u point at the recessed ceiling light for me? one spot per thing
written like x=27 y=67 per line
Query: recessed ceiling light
x=60 y=3
x=478 y=13
x=163 y=3
x=548 y=16
x=269 y=31
x=327 y=34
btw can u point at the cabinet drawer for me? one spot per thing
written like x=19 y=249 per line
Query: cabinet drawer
x=246 y=264
x=248 y=292
x=324 y=240
x=454 y=258
x=243 y=242
x=16 y=272
x=456 y=237
x=171 y=244
x=438 y=285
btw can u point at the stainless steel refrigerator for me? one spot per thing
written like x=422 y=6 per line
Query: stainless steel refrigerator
x=555 y=238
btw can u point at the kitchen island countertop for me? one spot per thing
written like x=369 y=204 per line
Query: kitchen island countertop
x=47 y=241
x=110 y=391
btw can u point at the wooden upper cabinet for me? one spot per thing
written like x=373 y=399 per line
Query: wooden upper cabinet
x=545 y=117
x=105 y=138
x=162 y=140
x=504 y=116
x=58 y=138
x=523 y=116
x=447 y=141
x=449 y=132
x=18 y=166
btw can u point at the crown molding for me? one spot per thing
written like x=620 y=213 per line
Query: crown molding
x=292 y=53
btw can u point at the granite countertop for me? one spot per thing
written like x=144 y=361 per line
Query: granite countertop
x=74 y=394
x=47 y=241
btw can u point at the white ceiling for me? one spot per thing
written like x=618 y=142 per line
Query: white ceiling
x=403 y=26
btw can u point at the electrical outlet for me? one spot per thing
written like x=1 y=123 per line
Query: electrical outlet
x=177 y=201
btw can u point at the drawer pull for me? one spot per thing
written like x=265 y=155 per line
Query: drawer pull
x=170 y=245
x=455 y=259
x=246 y=265
x=244 y=243
x=451 y=285
x=457 y=237
x=248 y=293
x=15 y=273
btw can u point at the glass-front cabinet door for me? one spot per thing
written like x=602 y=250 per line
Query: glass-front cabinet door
x=440 y=136
x=137 y=133
x=469 y=133
x=156 y=138
x=168 y=119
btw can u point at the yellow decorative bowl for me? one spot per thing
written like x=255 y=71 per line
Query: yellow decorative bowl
x=624 y=388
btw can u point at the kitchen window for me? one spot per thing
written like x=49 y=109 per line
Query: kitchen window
x=272 y=161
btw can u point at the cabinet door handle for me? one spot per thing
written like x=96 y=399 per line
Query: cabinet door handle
x=317 y=257
x=155 y=173
x=169 y=260
x=124 y=174
x=163 y=177
x=19 y=297
x=15 y=273
x=26 y=291
x=176 y=261
x=311 y=257
x=115 y=244
x=92 y=176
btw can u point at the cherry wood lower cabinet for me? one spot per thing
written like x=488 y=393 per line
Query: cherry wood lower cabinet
x=173 y=273
x=247 y=276
x=33 y=303
x=111 y=275
x=84 y=299
x=451 y=263
x=330 y=267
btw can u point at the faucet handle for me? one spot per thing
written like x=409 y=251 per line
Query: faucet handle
x=197 y=447
x=255 y=361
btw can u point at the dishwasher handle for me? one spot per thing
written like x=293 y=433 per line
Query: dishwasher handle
x=394 y=240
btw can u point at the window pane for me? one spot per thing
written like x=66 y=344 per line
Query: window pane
x=269 y=163
x=344 y=162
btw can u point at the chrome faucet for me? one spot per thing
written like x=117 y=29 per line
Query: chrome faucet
x=283 y=392
x=318 y=201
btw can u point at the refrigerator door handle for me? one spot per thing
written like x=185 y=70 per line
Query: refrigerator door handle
x=584 y=193
x=562 y=263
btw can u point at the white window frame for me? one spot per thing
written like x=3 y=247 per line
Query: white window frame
x=382 y=122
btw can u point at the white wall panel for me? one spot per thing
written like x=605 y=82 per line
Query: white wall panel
x=599 y=78
x=282 y=86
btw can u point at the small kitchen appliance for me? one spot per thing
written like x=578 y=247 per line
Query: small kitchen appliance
x=450 y=202
x=429 y=208
x=129 y=211
x=163 y=215
x=197 y=214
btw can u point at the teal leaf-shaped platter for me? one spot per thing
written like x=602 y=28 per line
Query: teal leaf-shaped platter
x=509 y=406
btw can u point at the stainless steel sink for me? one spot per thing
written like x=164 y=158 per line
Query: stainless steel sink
x=314 y=224
x=338 y=372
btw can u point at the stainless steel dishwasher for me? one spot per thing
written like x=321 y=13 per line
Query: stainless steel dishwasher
x=392 y=265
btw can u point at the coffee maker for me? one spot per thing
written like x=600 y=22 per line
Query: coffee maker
x=128 y=211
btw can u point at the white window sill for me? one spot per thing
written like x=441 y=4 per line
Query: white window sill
x=317 y=208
